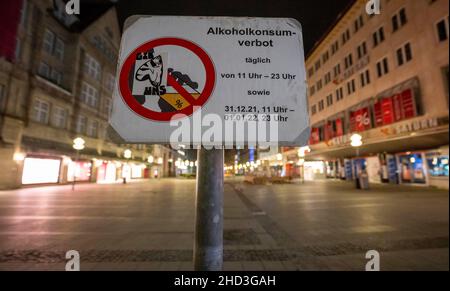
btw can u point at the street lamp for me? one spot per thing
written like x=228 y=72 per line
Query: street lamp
x=150 y=159
x=78 y=145
x=356 y=142
x=127 y=154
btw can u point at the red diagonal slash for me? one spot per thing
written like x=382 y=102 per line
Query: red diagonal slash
x=186 y=95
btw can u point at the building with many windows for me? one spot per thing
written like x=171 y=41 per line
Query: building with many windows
x=58 y=86
x=384 y=77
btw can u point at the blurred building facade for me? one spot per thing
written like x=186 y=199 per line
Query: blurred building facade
x=384 y=77
x=58 y=86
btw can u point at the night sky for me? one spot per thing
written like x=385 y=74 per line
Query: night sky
x=316 y=16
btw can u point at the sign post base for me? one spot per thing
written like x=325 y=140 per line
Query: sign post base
x=208 y=246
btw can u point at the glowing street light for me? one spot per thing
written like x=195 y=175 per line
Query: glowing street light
x=19 y=157
x=150 y=159
x=127 y=154
x=78 y=144
x=302 y=151
x=356 y=140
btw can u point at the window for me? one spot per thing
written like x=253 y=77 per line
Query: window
x=89 y=95
x=382 y=67
x=362 y=50
x=317 y=65
x=402 y=16
x=359 y=23
x=348 y=61
x=437 y=164
x=41 y=111
x=49 y=38
x=345 y=36
x=59 y=117
x=56 y=77
x=329 y=100
x=327 y=78
x=319 y=85
x=92 y=67
x=442 y=29
x=313 y=109
x=378 y=36
x=337 y=70
x=93 y=129
x=310 y=72
x=351 y=88
x=53 y=45
x=59 y=49
x=404 y=54
x=110 y=82
x=365 y=78
x=81 y=124
x=23 y=12
x=321 y=105
x=325 y=57
x=312 y=90
x=107 y=106
x=339 y=94
x=44 y=70
x=334 y=47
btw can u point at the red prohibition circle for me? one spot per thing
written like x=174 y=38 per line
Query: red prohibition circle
x=127 y=66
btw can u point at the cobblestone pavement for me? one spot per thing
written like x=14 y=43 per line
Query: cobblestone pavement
x=149 y=225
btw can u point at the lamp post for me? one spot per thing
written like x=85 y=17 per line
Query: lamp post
x=127 y=155
x=78 y=145
x=356 y=142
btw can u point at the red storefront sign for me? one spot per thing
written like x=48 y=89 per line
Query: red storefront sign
x=408 y=104
x=339 y=127
x=329 y=132
x=396 y=108
x=397 y=103
x=315 y=136
x=378 y=114
x=387 y=108
x=360 y=119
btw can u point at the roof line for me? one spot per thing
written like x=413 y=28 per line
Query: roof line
x=331 y=27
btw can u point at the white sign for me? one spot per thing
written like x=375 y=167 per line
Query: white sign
x=208 y=73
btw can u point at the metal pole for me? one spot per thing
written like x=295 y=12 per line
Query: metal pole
x=208 y=246
x=75 y=170
x=358 y=186
x=303 y=174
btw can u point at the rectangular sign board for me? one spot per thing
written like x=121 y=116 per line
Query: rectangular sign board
x=197 y=80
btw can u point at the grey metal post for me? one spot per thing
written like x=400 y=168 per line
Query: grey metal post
x=75 y=170
x=208 y=246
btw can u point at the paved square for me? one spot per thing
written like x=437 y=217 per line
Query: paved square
x=149 y=225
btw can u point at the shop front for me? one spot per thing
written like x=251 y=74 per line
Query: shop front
x=314 y=170
x=437 y=165
x=137 y=171
x=41 y=170
x=106 y=172
x=79 y=171
x=412 y=168
x=374 y=169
